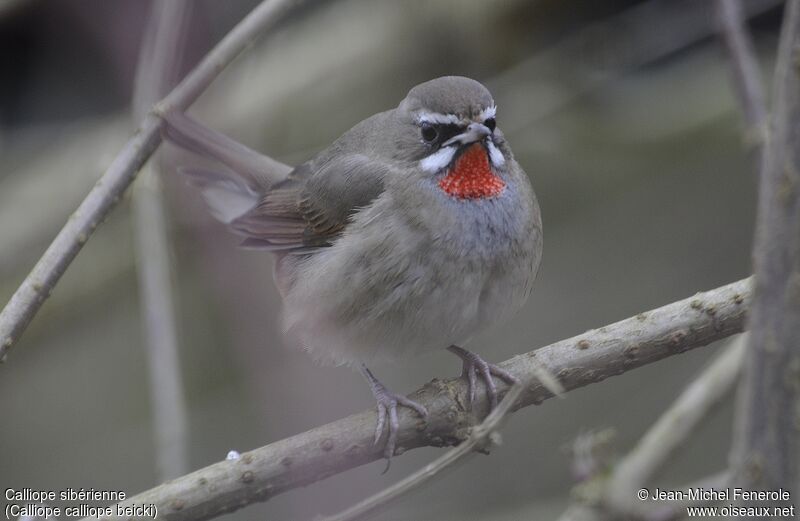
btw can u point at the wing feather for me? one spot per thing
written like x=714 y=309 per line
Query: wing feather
x=313 y=205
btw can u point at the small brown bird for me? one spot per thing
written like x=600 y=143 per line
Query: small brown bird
x=413 y=231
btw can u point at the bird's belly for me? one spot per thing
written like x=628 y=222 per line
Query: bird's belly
x=393 y=291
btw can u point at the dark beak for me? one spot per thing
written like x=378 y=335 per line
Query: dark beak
x=474 y=132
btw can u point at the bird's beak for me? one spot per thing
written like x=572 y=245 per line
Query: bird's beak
x=474 y=132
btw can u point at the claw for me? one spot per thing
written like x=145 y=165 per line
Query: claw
x=387 y=402
x=471 y=382
x=394 y=426
x=472 y=365
x=380 y=422
x=411 y=404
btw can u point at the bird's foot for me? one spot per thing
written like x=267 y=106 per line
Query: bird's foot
x=473 y=366
x=387 y=412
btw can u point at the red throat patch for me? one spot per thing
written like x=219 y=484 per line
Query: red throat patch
x=472 y=177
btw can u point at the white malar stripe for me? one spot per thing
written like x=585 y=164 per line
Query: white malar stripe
x=495 y=155
x=438 y=160
x=438 y=119
x=488 y=112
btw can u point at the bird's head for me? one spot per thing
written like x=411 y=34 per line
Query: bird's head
x=448 y=130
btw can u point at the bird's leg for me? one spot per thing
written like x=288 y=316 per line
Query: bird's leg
x=387 y=410
x=473 y=366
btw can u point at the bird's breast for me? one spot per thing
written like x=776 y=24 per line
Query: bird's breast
x=416 y=270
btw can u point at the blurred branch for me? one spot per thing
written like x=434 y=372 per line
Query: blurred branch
x=605 y=50
x=481 y=437
x=614 y=496
x=160 y=53
x=746 y=74
x=161 y=337
x=591 y=453
x=158 y=64
x=674 y=427
x=331 y=449
x=37 y=286
x=661 y=511
x=766 y=452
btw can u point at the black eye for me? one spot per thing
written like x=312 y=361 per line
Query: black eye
x=429 y=133
x=490 y=124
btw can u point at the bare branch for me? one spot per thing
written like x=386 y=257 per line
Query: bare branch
x=330 y=449
x=745 y=71
x=37 y=286
x=766 y=452
x=480 y=437
x=161 y=337
x=158 y=64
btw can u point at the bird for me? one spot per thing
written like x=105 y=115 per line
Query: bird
x=412 y=232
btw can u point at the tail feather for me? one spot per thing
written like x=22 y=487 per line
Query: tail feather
x=230 y=190
x=258 y=171
x=226 y=198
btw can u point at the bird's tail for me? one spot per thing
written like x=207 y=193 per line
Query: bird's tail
x=243 y=177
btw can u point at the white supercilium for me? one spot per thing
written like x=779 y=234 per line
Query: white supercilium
x=488 y=112
x=435 y=118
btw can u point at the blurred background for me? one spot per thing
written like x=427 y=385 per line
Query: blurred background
x=620 y=111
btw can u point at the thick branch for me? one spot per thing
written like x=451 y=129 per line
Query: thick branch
x=319 y=453
x=481 y=438
x=37 y=286
x=766 y=452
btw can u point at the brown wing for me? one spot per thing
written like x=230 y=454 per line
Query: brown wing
x=313 y=205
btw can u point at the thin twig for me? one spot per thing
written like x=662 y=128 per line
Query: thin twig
x=157 y=307
x=746 y=75
x=674 y=427
x=347 y=443
x=480 y=436
x=158 y=65
x=160 y=53
x=37 y=286
x=766 y=449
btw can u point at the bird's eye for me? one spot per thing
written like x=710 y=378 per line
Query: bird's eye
x=429 y=133
x=490 y=124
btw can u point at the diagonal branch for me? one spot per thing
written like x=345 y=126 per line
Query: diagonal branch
x=347 y=443
x=37 y=286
